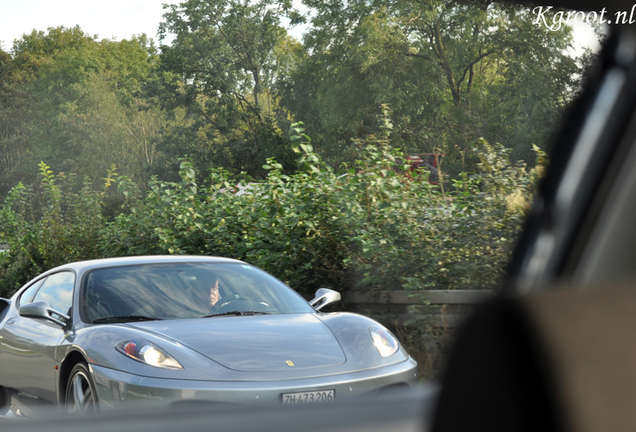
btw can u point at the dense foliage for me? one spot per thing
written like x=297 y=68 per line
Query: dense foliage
x=452 y=72
x=377 y=226
x=228 y=80
x=76 y=103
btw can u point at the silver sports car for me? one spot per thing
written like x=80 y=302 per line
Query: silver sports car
x=96 y=334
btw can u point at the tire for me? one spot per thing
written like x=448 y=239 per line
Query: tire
x=5 y=400
x=81 y=395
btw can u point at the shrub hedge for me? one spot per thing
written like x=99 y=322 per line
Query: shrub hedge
x=376 y=225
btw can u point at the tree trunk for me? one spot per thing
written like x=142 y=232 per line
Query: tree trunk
x=441 y=53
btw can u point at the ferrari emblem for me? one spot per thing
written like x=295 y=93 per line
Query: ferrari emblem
x=290 y=363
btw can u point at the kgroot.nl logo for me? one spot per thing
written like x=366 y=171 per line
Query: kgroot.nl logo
x=556 y=20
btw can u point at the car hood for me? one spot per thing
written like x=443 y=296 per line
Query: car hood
x=255 y=343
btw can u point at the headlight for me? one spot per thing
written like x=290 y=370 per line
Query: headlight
x=384 y=341
x=147 y=353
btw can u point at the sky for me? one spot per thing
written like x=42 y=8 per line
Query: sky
x=109 y=19
x=118 y=19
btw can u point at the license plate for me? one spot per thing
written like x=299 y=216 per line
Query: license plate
x=309 y=397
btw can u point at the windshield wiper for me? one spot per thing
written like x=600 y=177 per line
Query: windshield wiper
x=125 y=318
x=237 y=313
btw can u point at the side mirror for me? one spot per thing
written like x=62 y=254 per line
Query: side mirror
x=42 y=309
x=324 y=297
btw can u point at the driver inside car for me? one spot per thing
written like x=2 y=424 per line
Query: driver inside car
x=217 y=295
x=214 y=293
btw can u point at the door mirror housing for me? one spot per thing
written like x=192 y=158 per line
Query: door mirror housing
x=324 y=296
x=42 y=309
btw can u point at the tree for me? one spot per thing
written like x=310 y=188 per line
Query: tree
x=14 y=103
x=222 y=64
x=81 y=103
x=451 y=71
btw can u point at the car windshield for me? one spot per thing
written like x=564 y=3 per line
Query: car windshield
x=184 y=290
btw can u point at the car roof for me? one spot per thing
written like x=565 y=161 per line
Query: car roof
x=136 y=260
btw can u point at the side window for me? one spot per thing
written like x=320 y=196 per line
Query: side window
x=27 y=295
x=58 y=291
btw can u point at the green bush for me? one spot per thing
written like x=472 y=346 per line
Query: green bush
x=374 y=226
x=67 y=226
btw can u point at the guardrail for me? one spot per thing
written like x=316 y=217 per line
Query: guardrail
x=439 y=307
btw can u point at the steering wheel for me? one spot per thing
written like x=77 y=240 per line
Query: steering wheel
x=222 y=304
x=103 y=305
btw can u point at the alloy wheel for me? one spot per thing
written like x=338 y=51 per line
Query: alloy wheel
x=80 y=392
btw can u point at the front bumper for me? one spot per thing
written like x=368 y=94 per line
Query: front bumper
x=115 y=387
